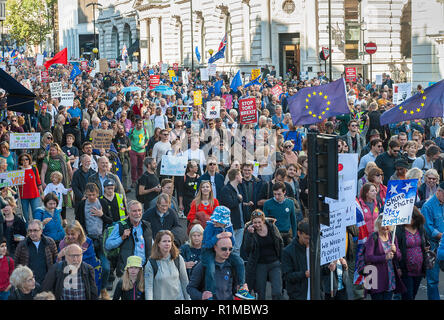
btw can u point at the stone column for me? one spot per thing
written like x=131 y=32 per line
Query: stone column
x=309 y=43
x=155 y=40
x=144 y=37
x=265 y=33
x=247 y=31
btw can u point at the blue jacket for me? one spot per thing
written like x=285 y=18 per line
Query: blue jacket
x=219 y=180
x=440 y=253
x=432 y=211
x=53 y=228
x=210 y=233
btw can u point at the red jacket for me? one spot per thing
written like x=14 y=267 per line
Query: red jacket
x=30 y=189
x=5 y=271
x=207 y=209
x=369 y=216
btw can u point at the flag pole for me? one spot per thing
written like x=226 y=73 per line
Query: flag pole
x=329 y=40
x=331 y=284
x=393 y=237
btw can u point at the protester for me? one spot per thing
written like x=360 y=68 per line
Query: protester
x=14 y=228
x=132 y=284
x=24 y=285
x=191 y=250
x=6 y=268
x=50 y=215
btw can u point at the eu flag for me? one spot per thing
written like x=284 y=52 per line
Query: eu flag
x=427 y=103
x=218 y=55
x=315 y=104
x=253 y=82
x=75 y=72
x=236 y=82
x=217 y=87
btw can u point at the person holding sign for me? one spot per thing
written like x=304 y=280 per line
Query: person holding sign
x=384 y=255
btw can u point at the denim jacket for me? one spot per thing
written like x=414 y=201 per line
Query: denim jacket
x=433 y=214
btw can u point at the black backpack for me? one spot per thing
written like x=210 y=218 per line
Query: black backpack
x=156 y=267
x=139 y=197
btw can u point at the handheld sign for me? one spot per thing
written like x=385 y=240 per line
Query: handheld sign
x=255 y=73
x=172 y=74
x=56 y=89
x=44 y=76
x=27 y=140
x=400 y=199
x=247 y=111
x=101 y=138
x=350 y=74
x=173 y=165
x=184 y=113
x=84 y=65
x=197 y=98
x=401 y=92
x=276 y=90
x=175 y=66
x=213 y=109
x=204 y=76
x=212 y=69
x=13 y=178
x=67 y=99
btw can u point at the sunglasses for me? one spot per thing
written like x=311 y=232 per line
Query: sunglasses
x=287 y=147
x=225 y=249
x=49 y=138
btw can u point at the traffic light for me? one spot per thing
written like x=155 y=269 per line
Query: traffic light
x=327 y=165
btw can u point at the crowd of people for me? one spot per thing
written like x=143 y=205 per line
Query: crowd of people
x=234 y=221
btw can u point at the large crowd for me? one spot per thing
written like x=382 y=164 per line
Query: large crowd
x=234 y=221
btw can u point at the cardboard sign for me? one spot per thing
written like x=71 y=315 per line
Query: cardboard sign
x=247 y=111
x=67 y=99
x=154 y=81
x=212 y=69
x=84 y=65
x=185 y=77
x=400 y=199
x=102 y=138
x=204 y=74
x=197 y=98
x=213 y=109
x=134 y=66
x=255 y=73
x=27 y=140
x=333 y=239
x=103 y=65
x=350 y=74
x=44 y=76
x=276 y=90
x=13 y=178
x=56 y=89
x=184 y=113
x=173 y=165
x=401 y=92
x=39 y=60
x=379 y=79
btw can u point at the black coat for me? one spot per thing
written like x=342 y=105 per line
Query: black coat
x=170 y=222
x=229 y=198
x=250 y=246
x=78 y=183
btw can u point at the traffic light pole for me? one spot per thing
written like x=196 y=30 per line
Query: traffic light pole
x=313 y=218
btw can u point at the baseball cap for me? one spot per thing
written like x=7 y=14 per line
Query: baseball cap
x=108 y=183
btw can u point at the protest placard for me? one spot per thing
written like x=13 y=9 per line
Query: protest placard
x=197 y=98
x=101 y=138
x=401 y=92
x=13 y=69
x=333 y=239
x=113 y=63
x=55 y=89
x=228 y=101
x=204 y=74
x=83 y=65
x=255 y=73
x=122 y=66
x=67 y=99
x=173 y=165
x=13 y=178
x=39 y=60
x=44 y=76
x=154 y=81
x=276 y=90
x=185 y=77
x=164 y=68
x=103 y=65
x=378 y=80
x=172 y=74
x=134 y=66
x=247 y=111
x=175 y=66
x=399 y=202
x=184 y=113
x=212 y=69
x=350 y=74
x=213 y=109
x=26 y=140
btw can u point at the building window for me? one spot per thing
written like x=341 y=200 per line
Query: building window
x=406 y=30
x=288 y=6
x=352 y=29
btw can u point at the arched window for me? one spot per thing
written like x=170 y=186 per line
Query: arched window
x=115 y=42
x=406 y=30
x=352 y=29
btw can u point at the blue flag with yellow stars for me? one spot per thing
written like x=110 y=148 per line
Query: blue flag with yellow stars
x=427 y=103
x=315 y=104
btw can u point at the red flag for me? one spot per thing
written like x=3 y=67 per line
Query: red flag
x=60 y=57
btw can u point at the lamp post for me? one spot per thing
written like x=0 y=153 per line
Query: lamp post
x=94 y=4
x=2 y=19
x=211 y=51
x=95 y=51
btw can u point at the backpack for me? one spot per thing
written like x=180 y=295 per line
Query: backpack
x=114 y=253
x=144 y=131
x=139 y=197
x=156 y=267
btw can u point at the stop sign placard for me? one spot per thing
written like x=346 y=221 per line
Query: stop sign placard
x=371 y=48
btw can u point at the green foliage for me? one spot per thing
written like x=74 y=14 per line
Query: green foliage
x=29 y=21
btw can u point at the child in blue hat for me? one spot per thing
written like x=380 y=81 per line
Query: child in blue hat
x=219 y=226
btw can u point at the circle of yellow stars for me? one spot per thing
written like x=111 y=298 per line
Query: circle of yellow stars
x=321 y=95
x=418 y=109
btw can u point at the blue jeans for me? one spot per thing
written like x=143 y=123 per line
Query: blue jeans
x=433 y=282
x=386 y=295
x=26 y=203
x=4 y=295
x=238 y=237
x=207 y=259
x=412 y=285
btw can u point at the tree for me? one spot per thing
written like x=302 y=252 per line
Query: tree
x=29 y=21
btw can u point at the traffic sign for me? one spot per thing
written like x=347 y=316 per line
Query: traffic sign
x=326 y=52
x=371 y=48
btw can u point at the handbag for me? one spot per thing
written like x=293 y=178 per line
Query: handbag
x=430 y=259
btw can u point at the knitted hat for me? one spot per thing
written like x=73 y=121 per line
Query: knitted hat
x=222 y=215
x=133 y=261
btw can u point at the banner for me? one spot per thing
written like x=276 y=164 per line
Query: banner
x=379 y=80
x=56 y=89
x=134 y=66
x=350 y=74
x=102 y=138
x=184 y=113
x=204 y=74
x=67 y=99
x=255 y=73
x=154 y=81
x=172 y=74
x=13 y=69
x=213 y=109
x=197 y=98
x=212 y=69
x=276 y=90
x=164 y=68
x=28 y=140
x=401 y=92
x=13 y=178
x=44 y=76
x=247 y=111
x=399 y=202
x=39 y=60
x=173 y=165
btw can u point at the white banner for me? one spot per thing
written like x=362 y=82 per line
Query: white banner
x=173 y=165
x=39 y=60
x=27 y=140
x=134 y=66
x=213 y=109
x=204 y=74
x=56 y=89
x=122 y=65
x=67 y=99
x=212 y=69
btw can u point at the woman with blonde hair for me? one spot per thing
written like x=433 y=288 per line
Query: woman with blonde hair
x=132 y=284
x=202 y=206
x=165 y=273
x=190 y=250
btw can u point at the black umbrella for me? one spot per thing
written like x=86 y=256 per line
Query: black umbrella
x=18 y=97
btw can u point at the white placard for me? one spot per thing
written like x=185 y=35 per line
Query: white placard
x=204 y=74
x=97 y=65
x=92 y=73
x=401 y=92
x=12 y=178
x=379 y=80
x=134 y=66
x=56 y=89
x=122 y=65
x=67 y=99
x=333 y=239
x=212 y=69
x=173 y=165
x=213 y=109
x=27 y=140
x=13 y=69
x=185 y=77
x=164 y=68
x=39 y=60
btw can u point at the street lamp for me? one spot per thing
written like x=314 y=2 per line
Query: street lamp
x=95 y=51
x=3 y=18
x=94 y=4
